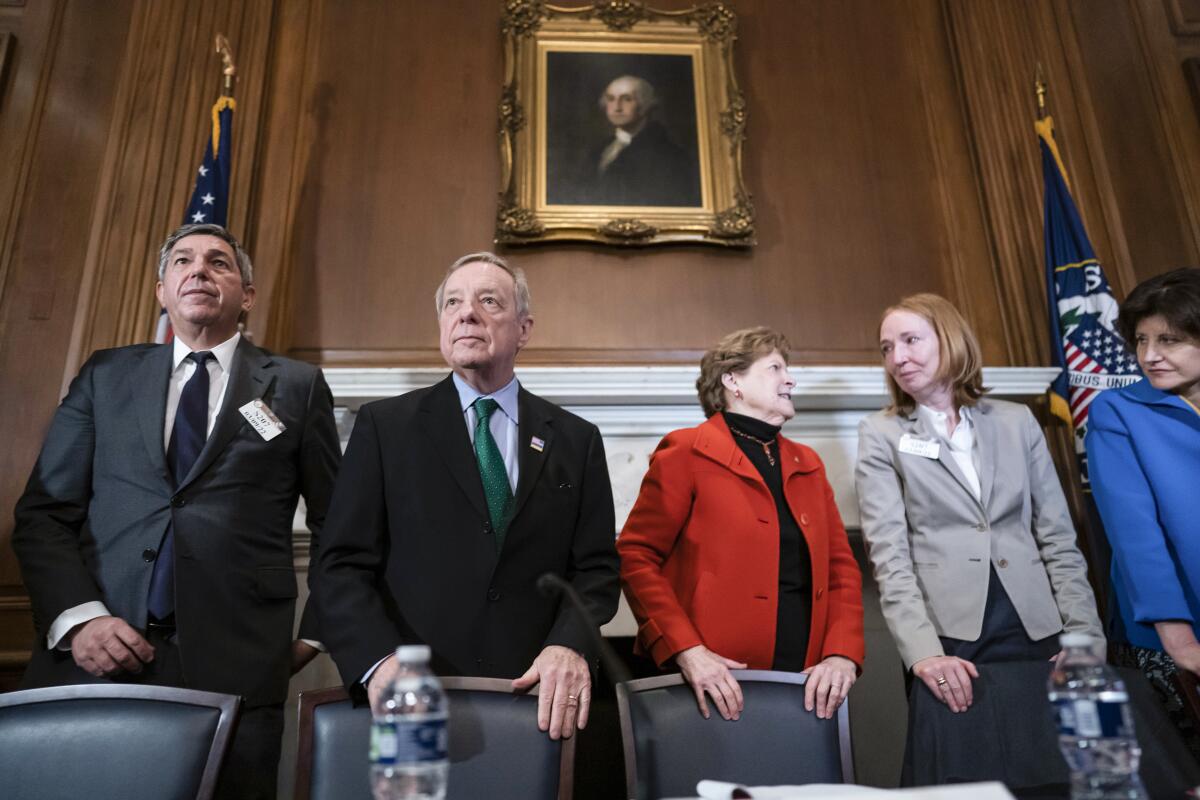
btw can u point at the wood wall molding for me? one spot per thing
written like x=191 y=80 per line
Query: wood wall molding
x=171 y=78
x=28 y=98
x=1141 y=134
x=998 y=45
x=1095 y=195
x=968 y=258
x=1180 y=127
x=1184 y=16
x=55 y=112
x=288 y=137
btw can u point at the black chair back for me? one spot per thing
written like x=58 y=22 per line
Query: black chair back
x=669 y=747
x=113 y=741
x=495 y=746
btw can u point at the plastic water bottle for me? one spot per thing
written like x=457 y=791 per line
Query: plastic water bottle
x=1095 y=728
x=408 y=739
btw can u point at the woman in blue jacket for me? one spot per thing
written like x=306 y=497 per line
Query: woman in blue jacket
x=1143 y=447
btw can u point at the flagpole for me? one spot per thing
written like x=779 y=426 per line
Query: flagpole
x=1039 y=89
x=228 y=67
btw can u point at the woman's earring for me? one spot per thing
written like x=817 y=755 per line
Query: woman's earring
x=737 y=393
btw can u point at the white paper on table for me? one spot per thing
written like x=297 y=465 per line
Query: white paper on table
x=719 y=790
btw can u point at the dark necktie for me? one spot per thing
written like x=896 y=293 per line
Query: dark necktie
x=187 y=440
x=491 y=469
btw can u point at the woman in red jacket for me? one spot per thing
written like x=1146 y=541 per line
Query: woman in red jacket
x=734 y=555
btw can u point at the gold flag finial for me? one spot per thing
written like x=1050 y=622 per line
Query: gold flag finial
x=228 y=68
x=1039 y=88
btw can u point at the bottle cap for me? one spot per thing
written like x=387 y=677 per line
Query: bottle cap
x=412 y=653
x=1075 y=640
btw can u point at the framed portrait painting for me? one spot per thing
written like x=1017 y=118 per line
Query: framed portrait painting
x=621 y=124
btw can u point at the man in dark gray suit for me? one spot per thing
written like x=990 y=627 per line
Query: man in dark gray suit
x=155 y=534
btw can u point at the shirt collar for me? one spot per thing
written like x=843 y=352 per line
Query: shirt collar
x=223 y=352
x=937 y=419
x=506 y=397
x=623 y=136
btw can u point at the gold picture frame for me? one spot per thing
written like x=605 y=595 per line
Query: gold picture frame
x=566 y=173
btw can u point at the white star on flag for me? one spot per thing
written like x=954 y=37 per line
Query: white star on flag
x=198 y=217
x=207 y=199
x=203 y=170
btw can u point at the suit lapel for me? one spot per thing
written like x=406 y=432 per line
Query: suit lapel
x=918 y=428
x=250 y=377
x=150 y=377
x=985 y=433
x=531 y=460
x=448 y=435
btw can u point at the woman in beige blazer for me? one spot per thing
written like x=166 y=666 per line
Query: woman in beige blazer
x=967 y=526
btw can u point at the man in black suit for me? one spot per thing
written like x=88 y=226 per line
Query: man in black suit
x=453 y=500
x=155 y=533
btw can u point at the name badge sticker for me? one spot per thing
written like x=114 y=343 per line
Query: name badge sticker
x=262 y=419
x=919 y=447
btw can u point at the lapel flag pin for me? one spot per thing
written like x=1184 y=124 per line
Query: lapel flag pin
x=537 y=444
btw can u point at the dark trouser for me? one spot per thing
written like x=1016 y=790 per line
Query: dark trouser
x=252 y=764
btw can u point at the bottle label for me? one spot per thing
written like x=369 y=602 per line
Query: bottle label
x=383 y=742
x=420 y=741
x=1092 y=719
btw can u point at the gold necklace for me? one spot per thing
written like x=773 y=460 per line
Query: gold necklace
x=766 y=443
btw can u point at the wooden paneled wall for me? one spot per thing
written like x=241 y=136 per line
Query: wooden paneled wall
x=890 y=150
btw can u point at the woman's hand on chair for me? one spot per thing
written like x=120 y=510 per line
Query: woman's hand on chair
x=949 y=678
x=829 y=682
x=708 y=673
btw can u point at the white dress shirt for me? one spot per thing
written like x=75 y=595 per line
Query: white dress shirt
x=182 y=369
x=962 y=443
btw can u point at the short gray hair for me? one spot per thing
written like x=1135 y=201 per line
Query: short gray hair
x=206 y=229
x=646 y=96
x=520 y=285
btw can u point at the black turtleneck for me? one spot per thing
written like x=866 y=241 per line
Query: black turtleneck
x=794 y=614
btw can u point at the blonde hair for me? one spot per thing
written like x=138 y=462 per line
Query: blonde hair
x=960 y=360
x=734 y=353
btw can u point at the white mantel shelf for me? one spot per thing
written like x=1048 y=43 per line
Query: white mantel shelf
x=822 y=388
x=634 y=407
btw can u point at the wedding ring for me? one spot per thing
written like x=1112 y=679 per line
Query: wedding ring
x=941 y=680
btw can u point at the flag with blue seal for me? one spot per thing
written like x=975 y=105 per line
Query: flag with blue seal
x=1084 y=341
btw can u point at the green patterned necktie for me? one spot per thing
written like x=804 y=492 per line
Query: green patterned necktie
x=491 y=469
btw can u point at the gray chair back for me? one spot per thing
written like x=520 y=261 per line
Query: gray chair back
x=116 y=741
x=496 y=749
x=669 y=747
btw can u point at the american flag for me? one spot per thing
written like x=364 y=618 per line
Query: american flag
x=1096 y=360
x=210 y=197
x=1083 y=311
